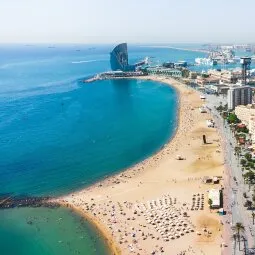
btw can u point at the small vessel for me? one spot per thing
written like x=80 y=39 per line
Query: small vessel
x=204 y=61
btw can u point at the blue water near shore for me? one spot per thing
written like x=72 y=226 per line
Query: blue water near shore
x=56 y=143
x=59 y=134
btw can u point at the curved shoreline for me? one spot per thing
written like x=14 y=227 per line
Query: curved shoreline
x=109 y=241
x=115 y=250
x=175 y=141
x=164 y=81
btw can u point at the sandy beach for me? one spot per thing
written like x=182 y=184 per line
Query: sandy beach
x=160 y=206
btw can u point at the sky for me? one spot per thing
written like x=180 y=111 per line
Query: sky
x=133 y=21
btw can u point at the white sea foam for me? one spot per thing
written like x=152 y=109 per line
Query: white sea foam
x=85 y=61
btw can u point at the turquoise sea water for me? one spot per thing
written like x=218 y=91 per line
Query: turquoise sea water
x=47 y=231
x=58 y=134
x=63 y=141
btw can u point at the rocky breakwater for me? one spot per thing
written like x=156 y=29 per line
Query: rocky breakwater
x=8 y=201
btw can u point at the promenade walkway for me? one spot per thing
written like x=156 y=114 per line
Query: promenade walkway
x=234 y=185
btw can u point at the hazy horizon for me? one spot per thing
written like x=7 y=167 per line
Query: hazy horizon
x=135 y=22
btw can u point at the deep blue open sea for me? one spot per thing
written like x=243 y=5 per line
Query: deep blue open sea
x=58 y=135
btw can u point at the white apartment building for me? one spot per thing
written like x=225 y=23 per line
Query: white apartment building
x=244 y=113
x=247 y=115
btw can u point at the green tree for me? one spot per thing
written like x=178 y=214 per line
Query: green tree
x=220 y=108
x=234 y=237
x=249 y=178
x=232 y=118
x=237 y=152
x=248 y=204
x=243 y=162
x=253 y=199
x=248 y=156
x=237 y=138
x=239 y=229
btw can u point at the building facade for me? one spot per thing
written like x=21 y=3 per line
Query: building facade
x=202 y=81
x=239 y=95
x=119 y=59
x=247 y=115
x=244 y=113
x=225 y=76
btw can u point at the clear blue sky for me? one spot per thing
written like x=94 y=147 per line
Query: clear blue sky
x=111 y=21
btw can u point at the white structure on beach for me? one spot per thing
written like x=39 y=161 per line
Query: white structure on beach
x=239 y=95
x=214 y=195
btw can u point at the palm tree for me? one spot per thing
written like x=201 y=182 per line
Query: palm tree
x=244 y=244
x=234 y=237
x=238 y=152
x=237 y=138
x=253 y=216
x=253 y=199
x=210 y=203
x=239 y=228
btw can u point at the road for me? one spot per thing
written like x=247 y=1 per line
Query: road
x=233 y=193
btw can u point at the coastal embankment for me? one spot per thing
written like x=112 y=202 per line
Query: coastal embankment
x=177 y=48
x=160 y=205
x=9 y=201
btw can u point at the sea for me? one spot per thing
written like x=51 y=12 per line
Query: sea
x=59 y=134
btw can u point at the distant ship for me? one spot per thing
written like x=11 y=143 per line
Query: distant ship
x=205 y=61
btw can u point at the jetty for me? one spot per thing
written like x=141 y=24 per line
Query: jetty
x=178 y=48
x=8 y=202
x=115 y=75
